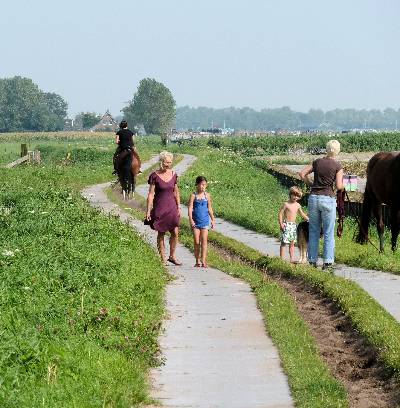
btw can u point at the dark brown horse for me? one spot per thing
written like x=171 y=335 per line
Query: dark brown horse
x=382 y=188
x=128 y=181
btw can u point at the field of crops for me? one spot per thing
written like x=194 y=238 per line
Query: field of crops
x=81 y=294
x=294 y=145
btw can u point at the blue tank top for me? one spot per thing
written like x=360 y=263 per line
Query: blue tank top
x=200 y=214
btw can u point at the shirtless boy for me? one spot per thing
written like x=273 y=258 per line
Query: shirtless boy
x=287 y=221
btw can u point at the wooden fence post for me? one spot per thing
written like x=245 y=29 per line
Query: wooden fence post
x=24 y=149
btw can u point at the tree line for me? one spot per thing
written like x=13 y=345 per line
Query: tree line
x=23 y=106
x=285 y=118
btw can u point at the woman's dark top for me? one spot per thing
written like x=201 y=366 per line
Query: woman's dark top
x=164 y=215
x=125 y=138
x=325 y=170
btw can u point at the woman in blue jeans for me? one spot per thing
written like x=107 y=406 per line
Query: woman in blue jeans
x=322 y=202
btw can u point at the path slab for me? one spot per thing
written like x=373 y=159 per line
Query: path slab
x=216 y=350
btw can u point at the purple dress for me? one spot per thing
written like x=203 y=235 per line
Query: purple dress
x=164 y=215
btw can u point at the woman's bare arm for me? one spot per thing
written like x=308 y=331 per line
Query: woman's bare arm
x=150 y=199
x=177 y=198
x=304 y=174
x=339 y=180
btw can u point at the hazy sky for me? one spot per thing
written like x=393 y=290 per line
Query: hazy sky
x=217 y=53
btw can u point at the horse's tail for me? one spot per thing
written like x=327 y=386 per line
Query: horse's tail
x=363 y=225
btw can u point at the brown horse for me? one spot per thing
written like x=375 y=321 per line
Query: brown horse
x=382 y=188
x=128 y=182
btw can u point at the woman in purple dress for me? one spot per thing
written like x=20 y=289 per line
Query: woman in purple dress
x=163 y=206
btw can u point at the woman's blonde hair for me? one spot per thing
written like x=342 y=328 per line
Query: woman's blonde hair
x=332 y=148
x=165 y=155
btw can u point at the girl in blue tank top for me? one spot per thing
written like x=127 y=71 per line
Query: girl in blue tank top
x=201 y=217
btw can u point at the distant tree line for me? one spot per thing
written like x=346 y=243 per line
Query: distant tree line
x=23 y=106
x=285 y=118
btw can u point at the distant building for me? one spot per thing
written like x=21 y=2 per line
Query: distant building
x=68 y=125
x=107 y=124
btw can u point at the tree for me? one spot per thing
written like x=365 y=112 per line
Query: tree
x=88 y=119
x=153 y=106
x=58 y=110
x=23 y=106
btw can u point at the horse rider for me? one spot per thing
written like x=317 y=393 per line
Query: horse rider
x=122 y=155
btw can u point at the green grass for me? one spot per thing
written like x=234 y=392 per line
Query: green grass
x=81 y=293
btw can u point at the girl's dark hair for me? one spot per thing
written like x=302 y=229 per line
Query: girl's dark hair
x=123 y=124
x=199 y=179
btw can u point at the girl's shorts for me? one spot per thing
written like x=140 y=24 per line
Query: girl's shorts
x=202 y=226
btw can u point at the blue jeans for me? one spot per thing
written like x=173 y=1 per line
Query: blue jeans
x=322 y=213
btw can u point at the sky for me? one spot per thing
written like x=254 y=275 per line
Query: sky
x=304 y=54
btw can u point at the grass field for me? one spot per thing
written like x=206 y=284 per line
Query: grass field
x=81 y=294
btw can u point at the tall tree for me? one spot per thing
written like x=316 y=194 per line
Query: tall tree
x=58 y=110
x=153 y=106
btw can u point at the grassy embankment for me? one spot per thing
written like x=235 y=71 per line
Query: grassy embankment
x=81 y=293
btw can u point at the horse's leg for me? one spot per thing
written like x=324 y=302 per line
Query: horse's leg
x=395 y=224
x=125 y=176
x=362 y=236
x=380 y=226
x=133 y=183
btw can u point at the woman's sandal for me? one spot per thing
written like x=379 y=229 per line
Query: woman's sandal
x=174 y=261
x=197 y=265
x=204 y=265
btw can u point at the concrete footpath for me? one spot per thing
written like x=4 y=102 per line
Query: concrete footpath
x=382 y=286
x=215 y=347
